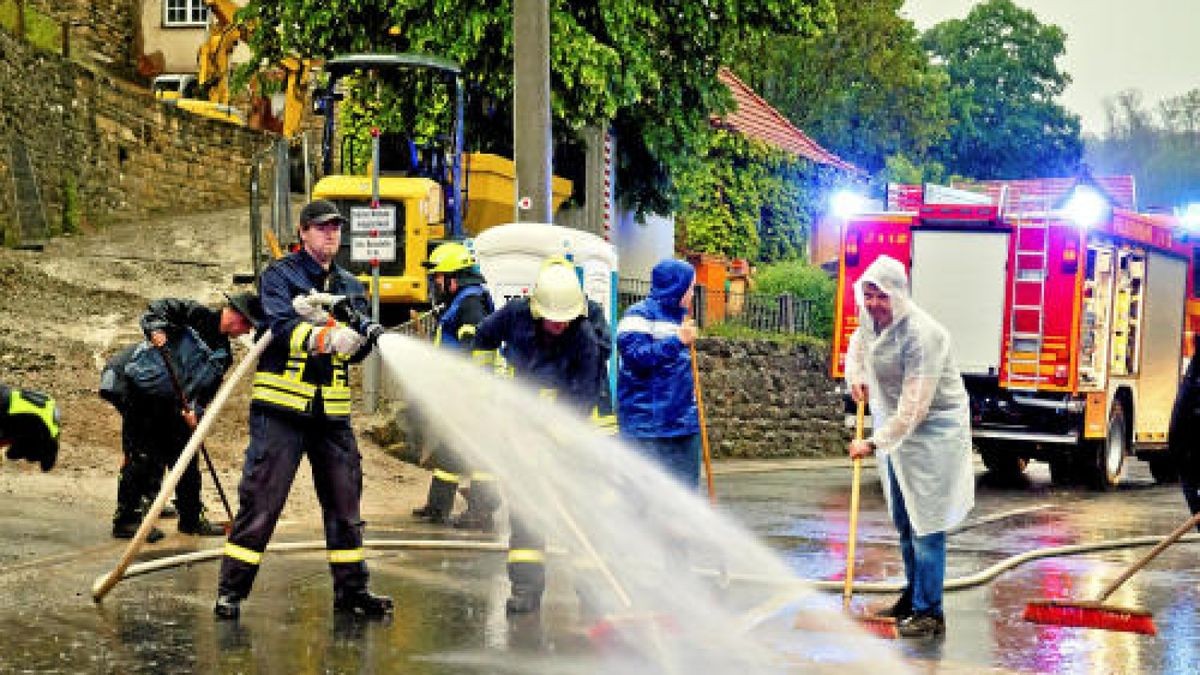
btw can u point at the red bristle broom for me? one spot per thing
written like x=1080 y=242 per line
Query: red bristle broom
x=1095 y=614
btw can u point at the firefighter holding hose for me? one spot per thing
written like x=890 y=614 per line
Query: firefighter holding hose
x=301 y=406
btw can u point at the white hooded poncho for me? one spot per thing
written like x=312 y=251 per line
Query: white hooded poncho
x=919 y=406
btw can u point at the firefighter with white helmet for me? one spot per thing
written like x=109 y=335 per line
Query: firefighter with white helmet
x=549 y=342
x=461 y=302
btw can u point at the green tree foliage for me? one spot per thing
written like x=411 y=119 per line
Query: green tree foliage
x=1004 y=81
x=648 y=67
x=803 y=281
x=865 y=89
x=1162 y=152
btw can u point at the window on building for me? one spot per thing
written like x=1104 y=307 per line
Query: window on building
x=185 y=13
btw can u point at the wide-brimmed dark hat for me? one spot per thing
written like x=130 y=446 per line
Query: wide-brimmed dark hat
x=248 y=305
x=320 y=211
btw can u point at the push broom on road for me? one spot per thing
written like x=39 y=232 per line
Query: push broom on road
x=1096 y=614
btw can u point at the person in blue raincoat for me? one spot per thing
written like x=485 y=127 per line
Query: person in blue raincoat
x=656 y=402
x=899 y=359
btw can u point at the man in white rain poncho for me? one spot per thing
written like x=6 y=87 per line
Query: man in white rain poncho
x=899 y=360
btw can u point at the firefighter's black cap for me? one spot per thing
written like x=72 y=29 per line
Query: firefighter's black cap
x=320 y=211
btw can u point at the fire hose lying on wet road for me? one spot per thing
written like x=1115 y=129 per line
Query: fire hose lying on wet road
x=125 y=567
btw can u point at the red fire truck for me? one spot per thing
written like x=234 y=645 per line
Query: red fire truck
x=1070 y=336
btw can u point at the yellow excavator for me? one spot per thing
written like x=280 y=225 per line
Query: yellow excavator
x=207 y=93
x=438 y=192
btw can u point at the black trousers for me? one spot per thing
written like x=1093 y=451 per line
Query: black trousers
x=526 y=558
x=152 y=436
x=277 y=441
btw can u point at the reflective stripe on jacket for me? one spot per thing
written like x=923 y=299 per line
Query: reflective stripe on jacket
x=655 y=392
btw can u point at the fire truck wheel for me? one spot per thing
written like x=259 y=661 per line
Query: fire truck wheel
x=1108 y=456
x=1003 y=464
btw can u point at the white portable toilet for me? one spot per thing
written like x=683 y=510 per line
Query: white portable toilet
x=510 y=257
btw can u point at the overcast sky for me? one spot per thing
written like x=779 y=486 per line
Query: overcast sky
x=1112 y=45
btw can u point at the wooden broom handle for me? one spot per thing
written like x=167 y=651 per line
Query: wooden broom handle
x=852 y=536
x=708 y=473
x=1151 y=555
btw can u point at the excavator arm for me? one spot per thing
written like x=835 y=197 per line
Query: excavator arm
x=296 y=76
x=224 y=34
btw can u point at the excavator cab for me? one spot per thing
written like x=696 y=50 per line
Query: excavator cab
x=419 y=173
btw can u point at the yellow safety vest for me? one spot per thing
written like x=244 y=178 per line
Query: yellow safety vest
x=288 y=390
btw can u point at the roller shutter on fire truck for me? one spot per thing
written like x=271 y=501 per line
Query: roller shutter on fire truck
x=958 y=277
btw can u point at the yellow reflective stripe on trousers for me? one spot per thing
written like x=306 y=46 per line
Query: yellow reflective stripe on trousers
x=445 y=476
x=482 y=476
x=484 y=357
x=526 y=555
x=352 y=555
x=241 y=553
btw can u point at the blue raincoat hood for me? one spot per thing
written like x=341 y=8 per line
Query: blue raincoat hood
x=668 y=282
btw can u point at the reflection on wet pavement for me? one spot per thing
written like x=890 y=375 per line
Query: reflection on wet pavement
x=450 y=605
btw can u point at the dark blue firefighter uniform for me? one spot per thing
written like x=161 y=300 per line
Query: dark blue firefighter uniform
x=456 y=331
x=300 y=406
x=566 y=365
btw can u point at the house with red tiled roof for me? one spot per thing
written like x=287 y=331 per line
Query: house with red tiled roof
x=754 y=118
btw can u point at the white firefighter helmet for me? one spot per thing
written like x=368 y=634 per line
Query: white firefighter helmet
x=557 y=295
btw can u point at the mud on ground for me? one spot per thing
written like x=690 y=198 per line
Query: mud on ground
x=65 y=309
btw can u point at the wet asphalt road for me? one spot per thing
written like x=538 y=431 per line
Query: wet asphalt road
x=803 y=516
x=450 y=615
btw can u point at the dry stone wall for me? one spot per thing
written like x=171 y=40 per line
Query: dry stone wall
x=121 y=152
x=770 y=400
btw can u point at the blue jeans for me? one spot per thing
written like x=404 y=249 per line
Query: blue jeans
x=678 y=455
x=924 y=557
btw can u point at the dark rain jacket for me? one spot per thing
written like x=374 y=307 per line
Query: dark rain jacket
x=566 y=363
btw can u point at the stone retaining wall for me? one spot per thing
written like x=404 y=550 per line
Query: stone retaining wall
x=123 y=153
x=765 y=399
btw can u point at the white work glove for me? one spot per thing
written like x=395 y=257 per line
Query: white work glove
x=336 y=339
x=312 y=307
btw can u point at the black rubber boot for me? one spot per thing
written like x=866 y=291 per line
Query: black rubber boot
x=126 y=530
x=483 y=498
x=439 y=503
x=523 y=601
x=362 y=602
x=200 y=526
x=228 y=607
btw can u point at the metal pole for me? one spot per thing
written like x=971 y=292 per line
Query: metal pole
x=531 y=110
x=373 y=365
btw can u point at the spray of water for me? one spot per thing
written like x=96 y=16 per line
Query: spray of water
x=656 y=567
